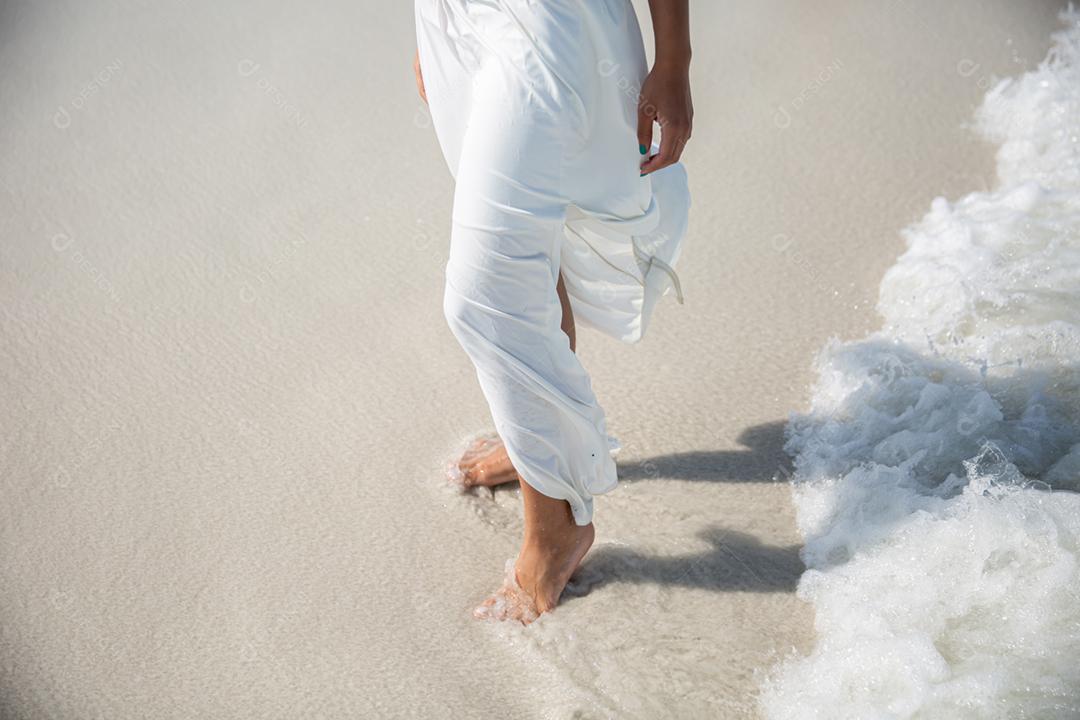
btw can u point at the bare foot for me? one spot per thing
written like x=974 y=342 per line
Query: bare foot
x=553 y=549
x=483 y=464
x=533 y=584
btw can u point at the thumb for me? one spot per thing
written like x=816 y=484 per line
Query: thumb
x=645 y=115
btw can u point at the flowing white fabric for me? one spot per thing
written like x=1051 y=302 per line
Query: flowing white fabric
x=535 y=107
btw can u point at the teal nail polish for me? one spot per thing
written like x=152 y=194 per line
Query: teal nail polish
x=642 y=149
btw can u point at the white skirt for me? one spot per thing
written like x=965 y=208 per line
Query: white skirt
x=535 y=107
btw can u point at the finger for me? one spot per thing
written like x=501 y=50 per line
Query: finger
x=645 y=115
x=666 y=156
x=672 y=142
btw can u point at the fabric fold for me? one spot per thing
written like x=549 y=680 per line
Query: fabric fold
x=535 y=108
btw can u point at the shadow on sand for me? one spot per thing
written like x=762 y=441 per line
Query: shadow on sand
x=736 y=562
x=764 y=460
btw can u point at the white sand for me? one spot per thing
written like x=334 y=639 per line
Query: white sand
x=228 y=387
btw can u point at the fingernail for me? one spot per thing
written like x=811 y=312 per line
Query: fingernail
x=642 y=149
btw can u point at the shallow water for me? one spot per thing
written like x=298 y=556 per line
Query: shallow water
x=231 y=385
x=936 y=472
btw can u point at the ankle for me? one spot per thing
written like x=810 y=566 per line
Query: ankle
x=550 y=542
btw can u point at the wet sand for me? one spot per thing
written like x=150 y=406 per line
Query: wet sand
x=230 y=388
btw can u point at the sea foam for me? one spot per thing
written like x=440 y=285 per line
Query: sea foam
x=936 y=473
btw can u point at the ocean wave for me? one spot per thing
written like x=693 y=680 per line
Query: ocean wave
x=936 y=473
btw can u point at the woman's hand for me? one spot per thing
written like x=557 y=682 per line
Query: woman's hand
x=665 y=99
x=419 y=77
x=665 y=94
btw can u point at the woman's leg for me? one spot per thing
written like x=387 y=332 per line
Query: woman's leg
x=567 y=314
x=553 y=547
x=554 y=544
x=485 y=462
x=502 y=302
